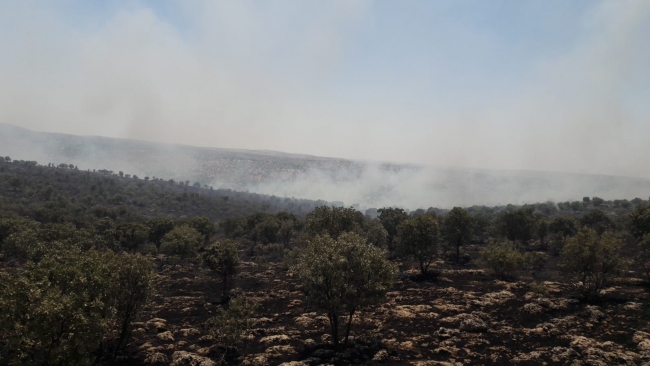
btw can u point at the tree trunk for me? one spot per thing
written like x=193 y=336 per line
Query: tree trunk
x=334 y=327
x=347 y=330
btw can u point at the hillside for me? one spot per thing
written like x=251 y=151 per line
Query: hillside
x=310 y=177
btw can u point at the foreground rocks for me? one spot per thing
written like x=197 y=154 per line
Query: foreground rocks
x=465 y=318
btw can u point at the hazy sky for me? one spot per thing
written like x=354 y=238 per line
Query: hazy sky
x=538 y=85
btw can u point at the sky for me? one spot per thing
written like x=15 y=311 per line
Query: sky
x=523 y=85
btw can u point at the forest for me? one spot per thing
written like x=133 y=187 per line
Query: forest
x=103 y=267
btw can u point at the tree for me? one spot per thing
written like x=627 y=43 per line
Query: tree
x=341 y=276
x=71 y=307
x=518 y=224
x=182 y=241
x=563 y=226
x=418 y=238
x=391 y=218
x=457 y=228
x=376 y=234
x=597 y=201
x=266 y=231
x=542 y=229
x=158 y=228
x=481 y=224
x=597 y=220
x=221 y=258
x=227 y=328
x=333 y=221
x=643 y=257
x=204 y=226
x=640 y=221
x=503 y=259
x=285 y=233
x=132 y=235
x=590 y=260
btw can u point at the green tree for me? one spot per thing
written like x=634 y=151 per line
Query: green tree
x=158 y=228
x=457 y=229
x=563 y=226
x=590 y=260
x=518 y=224
x=221 y=258
x=391 y=218
x=503 y=260
x=182 y=241
x=597 y=201
x=597 y=220
x=285 y=233
x=418 y=238
x=639 y=221
x=266 y=231
x=132 y=235
x=376 y=234
x=204 y=226
x=480 y=227
x=229 y=326
x=333 y=221
x=341 y=276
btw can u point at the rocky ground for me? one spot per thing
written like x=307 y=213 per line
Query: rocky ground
x=463 y=318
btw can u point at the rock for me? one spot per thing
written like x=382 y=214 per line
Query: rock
x=190 y=332
x=294 y=363
x=279 y=338
x=166 y=336
x=532 y=309
x=644 y=345
x=182 y=358
x=156 y=358
x=473 y=325
x=381 y=356
x=280 y=351
x=255 y=360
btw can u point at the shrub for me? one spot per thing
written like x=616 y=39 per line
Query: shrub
x=644 y=254
x=503 y=260
x=535 y=261
x=343 y=276
x=229 y=325
x=590 y=260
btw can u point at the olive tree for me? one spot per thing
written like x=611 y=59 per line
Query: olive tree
x=590 y=260
x=222 y=259
x=341 y=276
x=418 y=238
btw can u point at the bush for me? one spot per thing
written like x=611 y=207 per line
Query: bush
x=590 y=260
x=182 y=241
x=343 y=276
x=503 y=260
x=535 y=261
x=229 y=325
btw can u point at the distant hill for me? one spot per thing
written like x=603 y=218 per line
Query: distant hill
x=312 y=177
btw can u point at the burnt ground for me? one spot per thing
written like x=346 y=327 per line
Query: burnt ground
x=463 y=318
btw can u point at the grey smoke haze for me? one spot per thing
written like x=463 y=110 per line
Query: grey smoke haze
x=547 y=86
x=303 y=176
